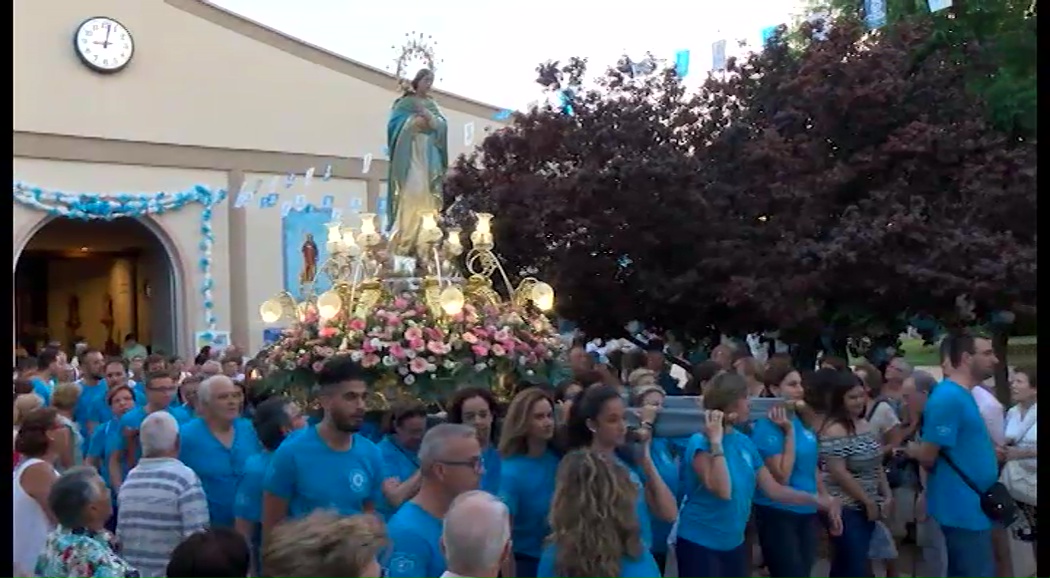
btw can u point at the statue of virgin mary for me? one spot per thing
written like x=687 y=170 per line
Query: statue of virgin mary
x=417 y=141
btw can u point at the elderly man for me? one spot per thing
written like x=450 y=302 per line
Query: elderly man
x=81 y=503
x=210 y=368
x=475 y=537
x=161 y=502
x=217 y=444
x=915 y=391
x=450 y=464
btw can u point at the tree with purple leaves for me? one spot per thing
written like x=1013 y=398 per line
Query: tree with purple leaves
x=837 y=189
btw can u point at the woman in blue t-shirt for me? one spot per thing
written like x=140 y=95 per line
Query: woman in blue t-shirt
x=721 y=472
x=789 y=449
x=477 y=408
x=597 y=421
x=404 y=426
x=527 y=475
x=595 y=529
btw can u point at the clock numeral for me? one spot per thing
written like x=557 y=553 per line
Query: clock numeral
x=123 y=36
x=122 y=55
x=94 y=26
x=87 y=33
x=105 y=62
x=95 y=58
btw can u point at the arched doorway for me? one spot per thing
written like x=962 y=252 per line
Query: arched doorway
x=96 y=281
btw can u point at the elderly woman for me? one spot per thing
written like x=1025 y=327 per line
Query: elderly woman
x=81 y=547
x=33 y=479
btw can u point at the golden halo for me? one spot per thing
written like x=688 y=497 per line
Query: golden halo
x=417 y=46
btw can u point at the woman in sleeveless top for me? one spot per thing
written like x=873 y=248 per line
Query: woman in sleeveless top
x=64 y=400
x=32 y=482
x=852 y=458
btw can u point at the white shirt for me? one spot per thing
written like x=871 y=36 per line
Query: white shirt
x=30 y=524
x=992 y=413
x=448 y=574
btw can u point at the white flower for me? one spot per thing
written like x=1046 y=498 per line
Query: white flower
x=530 y=372
x=449 y=364
x=402 y=370
x=410 y=353
x=389 y=361
x=479 y=367
x=409 y=379
x=376 y=343
x=431 y=367
x=356 y=355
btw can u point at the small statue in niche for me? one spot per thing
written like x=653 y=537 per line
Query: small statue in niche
x=73 y=314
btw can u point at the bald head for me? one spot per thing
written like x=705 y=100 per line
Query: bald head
x=210 y=368
x=475 y=534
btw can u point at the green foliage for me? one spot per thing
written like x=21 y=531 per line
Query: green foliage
x=1006 y=32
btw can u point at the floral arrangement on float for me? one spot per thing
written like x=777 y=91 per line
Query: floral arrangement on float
x=420 y=327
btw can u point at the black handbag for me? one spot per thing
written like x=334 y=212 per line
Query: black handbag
x=996 y=501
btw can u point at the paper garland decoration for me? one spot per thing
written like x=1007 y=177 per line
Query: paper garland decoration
x=681 y=63
x=109 y=206
x=768 y=33
x=718 y=55
x=875 y=13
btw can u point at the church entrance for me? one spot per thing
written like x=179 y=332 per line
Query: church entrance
x=96 y=282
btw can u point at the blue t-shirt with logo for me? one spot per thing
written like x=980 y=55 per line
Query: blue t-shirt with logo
x=310 y=475
x=953 y=421
x=491 y=462
x=398 y=463
x=415 y=538
x=104 y=442
x=133 y=421
x=219 y=468
x=89 y=396
x=641 y=506
x=41 y=388
x=706 y=519
x=665 y=458
x=769 y=440
x=527 y=487
x=643 y=566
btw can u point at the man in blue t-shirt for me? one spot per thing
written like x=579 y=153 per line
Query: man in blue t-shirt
x=952 y=426
x=48 y=363
x=329 y=466
x=450 y=465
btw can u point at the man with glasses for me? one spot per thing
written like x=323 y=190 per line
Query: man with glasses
x=160 y=391
x=450 y=464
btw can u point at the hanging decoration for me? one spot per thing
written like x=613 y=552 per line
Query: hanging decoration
x=109 y=206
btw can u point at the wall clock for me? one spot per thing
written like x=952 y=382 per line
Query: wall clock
x=103 y=44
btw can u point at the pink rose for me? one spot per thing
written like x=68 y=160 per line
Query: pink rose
x=328 y=332
x=413 y=333
x=480 y=350
x=470 y=337
x=508 y=345
x=367 y=347
x=501 y=335
x=498 y=350
x=401 y=303
x=397 y=351
x=357 y=324
x=393 y=319
x=318 y=365
x=481 y=332
x=417 y=344
x=418 y=365
x=436 y=347
x=370 y=360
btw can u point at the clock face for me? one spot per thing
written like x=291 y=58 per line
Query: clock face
x=103 y=44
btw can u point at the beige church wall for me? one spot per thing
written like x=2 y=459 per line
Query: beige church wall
x=196 y=80
x=181 y=228
x=260 y=260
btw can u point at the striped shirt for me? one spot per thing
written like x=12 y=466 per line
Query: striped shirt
x=863 y=456
x=160 y=503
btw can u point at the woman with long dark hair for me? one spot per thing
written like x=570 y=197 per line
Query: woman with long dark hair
x=597 y=421
x=477 y=408
x=852 y=458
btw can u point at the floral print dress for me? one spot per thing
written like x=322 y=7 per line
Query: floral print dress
x=82 y=554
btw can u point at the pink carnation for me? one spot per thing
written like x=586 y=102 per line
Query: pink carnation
x=413 y=333
x=480 y=350
x=401 y=303
x=417 y=344
x=418 y=365
x=370 y=360
x=357 y=324
x=397 y=351
x=436 y=347
x=328 y=332
x=470 y=337
x=498 y=350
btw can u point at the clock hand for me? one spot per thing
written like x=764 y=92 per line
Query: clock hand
x=105 y=43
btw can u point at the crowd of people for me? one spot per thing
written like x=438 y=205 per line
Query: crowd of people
x=140 y=465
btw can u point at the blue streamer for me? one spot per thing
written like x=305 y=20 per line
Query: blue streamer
x=109 y=206
x=504 y=114
x=681 y=63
